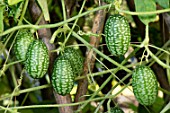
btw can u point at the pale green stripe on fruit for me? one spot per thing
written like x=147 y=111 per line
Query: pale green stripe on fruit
x=22 y=42
x=75 y=59
x=144 y=85
x=117 y=33
x=62 y=76
x=37 y=59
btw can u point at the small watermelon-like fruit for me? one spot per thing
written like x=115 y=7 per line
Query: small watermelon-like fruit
x=116 y=110
x=22 y=42
x=62 y=76
x=108 y=1
x=37 y=59
x=117 y=34
x=145 y=86
x=75 y=59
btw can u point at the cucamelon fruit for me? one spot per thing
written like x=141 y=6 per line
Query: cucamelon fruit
x=75 y=59
x=117 y=34
x=116 y=110
x=22 y=42
x=108 y=1
x=37 y=59
x=144 y=85
x=62 y=76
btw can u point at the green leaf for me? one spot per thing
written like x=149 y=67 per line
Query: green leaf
x=1 y=18
x=146 y=6
x=13 y=2
x=44 y=6
x=163 y=3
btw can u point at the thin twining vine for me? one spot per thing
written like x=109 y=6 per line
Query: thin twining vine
x=77 y=103
x=16 y=89
x=69 y=104
x=145 y=44
x=100 y=53
x=106 y=81
x=124 y=78
x=78 y=16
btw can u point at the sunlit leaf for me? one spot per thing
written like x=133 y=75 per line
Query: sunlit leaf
x=44 y=6
x=146 y=6
x=13 y=2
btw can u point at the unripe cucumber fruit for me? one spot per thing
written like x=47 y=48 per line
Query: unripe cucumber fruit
x=62 y=76
x=115 y=110
x=117 y=34
x=74 y=58
x=22 y=42
x=145 y=86
x=108 y=1
x=37 y=59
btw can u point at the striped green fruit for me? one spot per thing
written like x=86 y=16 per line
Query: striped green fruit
x=37 y=59
x=23 y=40
x=62 y=76
x=117 y=34
x=75 y=59
x=144 y=85
x=108 y=1
x=116 y=110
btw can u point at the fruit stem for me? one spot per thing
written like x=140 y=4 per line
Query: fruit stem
x=146 y=40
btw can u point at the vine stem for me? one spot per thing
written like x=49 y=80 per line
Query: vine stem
x=75 y=22
x=163 y=90
x=100 y=53
x=157 y=59
x=168 y=70
x=124 y=78
x=53 y=25
x=160 y=49
x=109 y=59
x=78 y=16
x=8 y=109
x=164 y=46
x=146 y=40
x=97 y=27
x=143 y=13
x=166 y=108
x=64 y=10
x=16 y=89
x=26 y=90
x=48 y=85
x=23 y=12
x=69 y=104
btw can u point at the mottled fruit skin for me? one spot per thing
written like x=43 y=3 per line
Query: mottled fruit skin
x=22 y=42
x=144 y=85
x=62 y=76
x=117 y=34
x=108 y=1
x=75 y=59
x=37 y=59
x=116 y=110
